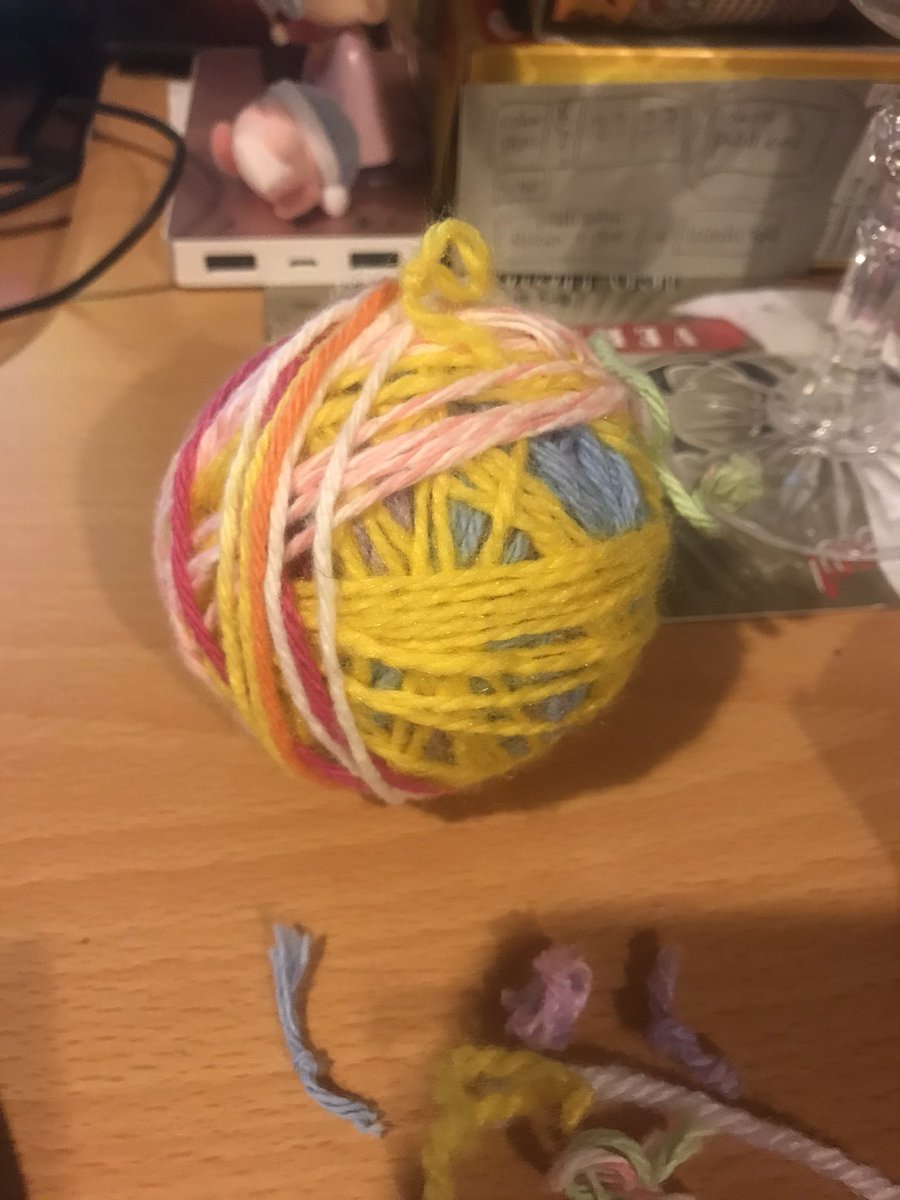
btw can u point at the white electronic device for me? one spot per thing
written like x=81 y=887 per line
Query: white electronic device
x=222 y=235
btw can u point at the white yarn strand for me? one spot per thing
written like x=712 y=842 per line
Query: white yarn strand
x=275 y=559
x=323 y=569
x=258 y=385
x=619 y=1084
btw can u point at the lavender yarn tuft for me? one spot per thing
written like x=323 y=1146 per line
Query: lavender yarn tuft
x=677 y=1041
x=543 y=1013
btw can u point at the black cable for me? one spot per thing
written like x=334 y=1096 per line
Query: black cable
x=136 y=232
x=46 y=169
x=36 y=183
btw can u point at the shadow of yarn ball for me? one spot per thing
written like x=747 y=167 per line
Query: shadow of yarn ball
x=682 y=678
x=850 y=718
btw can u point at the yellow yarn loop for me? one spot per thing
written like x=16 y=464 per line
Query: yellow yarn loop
x=452 y=268
x=481 y=1088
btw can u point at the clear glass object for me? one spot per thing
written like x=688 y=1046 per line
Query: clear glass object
x=885 y=13
x=810 y=441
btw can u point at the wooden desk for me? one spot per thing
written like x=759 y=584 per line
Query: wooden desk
x=742 y=800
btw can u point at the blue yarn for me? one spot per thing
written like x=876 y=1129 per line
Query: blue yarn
x=470 y=528
x=557 y=707
x=382 y=676
x=595 y=484
x=290 y=958
x=518 y=547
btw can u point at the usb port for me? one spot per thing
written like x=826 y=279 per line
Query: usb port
x=231 y=262
x=374 y=258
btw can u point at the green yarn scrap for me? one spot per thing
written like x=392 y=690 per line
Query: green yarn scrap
x=654 y=1161
x=729 y=486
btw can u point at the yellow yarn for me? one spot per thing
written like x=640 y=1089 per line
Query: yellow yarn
x=453 y=266
x=453 y=666
x=483 y=1088
x=441 y=626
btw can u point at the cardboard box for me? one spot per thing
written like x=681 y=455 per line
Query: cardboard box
x=649 y=159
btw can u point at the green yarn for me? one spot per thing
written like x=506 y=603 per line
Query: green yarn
x=673 y=1148
x=607 y=1141
x=730 y=485
x=654 y=1161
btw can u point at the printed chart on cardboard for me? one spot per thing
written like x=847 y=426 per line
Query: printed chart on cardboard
x=665 y=180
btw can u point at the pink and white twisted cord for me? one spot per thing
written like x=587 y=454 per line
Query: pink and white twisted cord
x=622 y=1085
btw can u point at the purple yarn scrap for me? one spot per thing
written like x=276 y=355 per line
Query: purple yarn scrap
x=543 y=1013
x=677 y=1041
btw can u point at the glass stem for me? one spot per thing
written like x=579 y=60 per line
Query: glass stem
x=839 y=402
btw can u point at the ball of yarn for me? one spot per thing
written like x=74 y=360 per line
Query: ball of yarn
x=418 y=539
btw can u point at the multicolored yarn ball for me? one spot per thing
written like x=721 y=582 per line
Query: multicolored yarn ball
x=418 y=539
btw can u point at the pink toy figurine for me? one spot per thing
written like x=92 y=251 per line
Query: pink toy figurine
x=294 y=147
x=311 y=20
x=339 y=60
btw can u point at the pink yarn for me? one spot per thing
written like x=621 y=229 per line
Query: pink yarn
x=182 y=541
x=422 y=453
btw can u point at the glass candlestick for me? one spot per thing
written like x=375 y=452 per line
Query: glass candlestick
x=885 y=13
x=811 y=442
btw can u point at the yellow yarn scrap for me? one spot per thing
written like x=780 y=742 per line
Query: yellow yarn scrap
x=484 y=1088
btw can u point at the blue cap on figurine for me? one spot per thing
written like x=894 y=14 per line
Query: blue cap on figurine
x=331 y=136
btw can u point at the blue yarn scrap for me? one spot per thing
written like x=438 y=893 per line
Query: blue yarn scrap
x=290 y=959
x=596 y=485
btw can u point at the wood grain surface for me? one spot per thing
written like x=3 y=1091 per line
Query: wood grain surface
x=741 y=801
